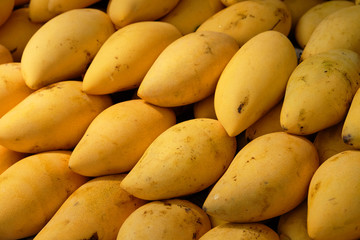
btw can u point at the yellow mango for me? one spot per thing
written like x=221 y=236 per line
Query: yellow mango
x=117 y=138
x=124 y=12
x=79 y=35
x=351 y=131
x=32 y=190
x=5 y=55
x=216 y=221
x=268 y=177
x=9 y=157
x=248 y=231
x=6 y=8
x=245 y=19
x=270 y=122
x=333 y=206
x=312 y=17
x=96 y=210
x=205 y=108
x=298 y=8
x=337 y=30
x=52 y=118
x=329 y=142
x=175 y=219
x=123 y=60
x=39 y=12
x=186 y=158
x=188 y=69
x=16 y=32
x=12 y=87
x=293 y=224
x=60 y=6
x=319 y=91
x=189 y=14
x=254 y=80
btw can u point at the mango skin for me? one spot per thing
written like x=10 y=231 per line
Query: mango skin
x=32 y=190
x=338 y=30
x=96 y=210
x=125 y=12
x=52 y=118
x=259 y=182
x=319 y=91
x=254 y=80
x=326 y=199
x=205 y=108
x=246 y=19
x=329 y=142
x=249 y=231
x=17 y=31
x=12 y=86
x=270 y=122
x=350 y=129
x=6 y=8
x=310 y=19
x=189 y=14
x=8 y=158
x=188 y=69
x=46 y=60
x=123 y=60
x=117 y=138
x=175 y=219
x=186 y=158
x=293 y=224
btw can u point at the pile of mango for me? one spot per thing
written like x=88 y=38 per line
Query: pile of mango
x=179 y=119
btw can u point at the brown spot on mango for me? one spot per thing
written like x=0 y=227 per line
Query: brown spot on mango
x=93 y=237
x=243 y=104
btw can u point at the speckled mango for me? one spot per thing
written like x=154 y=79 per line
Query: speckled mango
x=259 y=183
x=319 y=91
x=51 y=118
x=96 y=210
x=333 y=206
x=117 y=138
x=175 y=219
x=186 y=158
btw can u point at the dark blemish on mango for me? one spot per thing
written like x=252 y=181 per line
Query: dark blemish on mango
x=265 y=206
x=118 y=67
x=301 y=116
x=282 y=13
x=243 y=104
x=187 y=209
x=208 y=50
x=303 y=78
x=274 y=26
x=204 y=208
x=13 y=50
x=317 y=186
x=87 y=53
x=347 y=139
x=194 y=235
x=93 y=237
x=167 y=204
x=242 y=15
